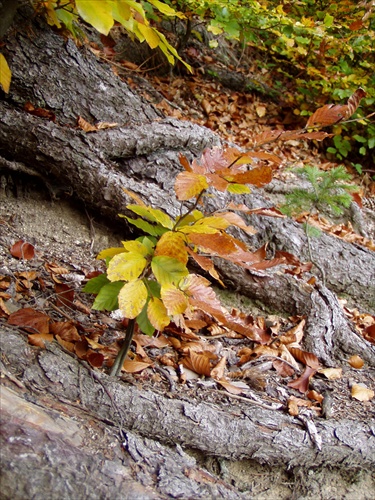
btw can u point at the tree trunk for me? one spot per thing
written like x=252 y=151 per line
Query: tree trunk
x=141 y=154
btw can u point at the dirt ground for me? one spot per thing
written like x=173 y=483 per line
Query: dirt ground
x=64 y=232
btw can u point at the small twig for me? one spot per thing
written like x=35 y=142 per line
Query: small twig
x=119 y=361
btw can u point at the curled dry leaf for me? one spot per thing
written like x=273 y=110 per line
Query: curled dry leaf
x=356 y=361
x=218 y=372
x=66 y=330
x=307 y=358
x=302 y=383
x=22 y=250
x=282 y=368
x=361 y=393
x=200 y=362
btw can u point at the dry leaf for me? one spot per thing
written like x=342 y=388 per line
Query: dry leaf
x=22 y=250
x=361 y=393
x=233 y=387
x=331 y=373
x=30 y=320
x=218 y=372
x=356 y=362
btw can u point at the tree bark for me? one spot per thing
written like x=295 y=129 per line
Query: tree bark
x=141 y=154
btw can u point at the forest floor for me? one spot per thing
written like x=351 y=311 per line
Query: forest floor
x=66 y=239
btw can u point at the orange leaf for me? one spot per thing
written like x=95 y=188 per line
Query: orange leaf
x=218 y=372
x=189 y=185
x=40 y=339
x=85 y=125
x=259 y=176
x=131 y=366
x=30 y=320
x=22 y=250
x=356 y=362
x=361 y=393
x=199 y=362
x=172 y=244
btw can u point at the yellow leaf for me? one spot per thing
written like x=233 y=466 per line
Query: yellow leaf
x=174 y=300
x=126 y=266
x=110 y=252
x=5 y=74
x=189 y=185
x=98 y=14
x=132 y=298
x=135 y=246
x=261 y=111
x=166 y=9
x=172 y=244
x=150 y=34
x=157 y=314
x=361 y=393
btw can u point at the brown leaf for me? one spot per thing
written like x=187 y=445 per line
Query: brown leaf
x=233 y=387
x=283 y=369
x=30 y=320
x=302 y=383
x=22 y=250
x=69 y=346
x=66 y=330
x=307 y=358
x=85 y=125
x=331 y=373
x=218 y=372
x=96 y=359
x=65 y=295
x=335 y=113
x=40 y=339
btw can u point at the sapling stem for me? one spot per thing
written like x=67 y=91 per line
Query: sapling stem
x=120 y=358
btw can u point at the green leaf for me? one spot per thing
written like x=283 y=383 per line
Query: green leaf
x=107 y=298
x=328 y=20
x=152 y=230
x=168 y=270
x=95 y=284
x=152 y=214
x=144 y=323
x=96 y=13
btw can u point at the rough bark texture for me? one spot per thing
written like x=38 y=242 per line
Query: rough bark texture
x=141 y=154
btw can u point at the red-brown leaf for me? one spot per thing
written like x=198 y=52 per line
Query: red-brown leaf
x=30 y=320
x=22 y=250
x=302 y=383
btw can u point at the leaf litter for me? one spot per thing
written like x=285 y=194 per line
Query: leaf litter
x=248 y=358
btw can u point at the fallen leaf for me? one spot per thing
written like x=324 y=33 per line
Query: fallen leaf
x=218 y=372
x=40 y=339
x=233 y=387
x=22 y=250
x=356 y=362
x=361 y=393
x=331 y=373
x=131 y=366
x=30 y=320
x=302 y=383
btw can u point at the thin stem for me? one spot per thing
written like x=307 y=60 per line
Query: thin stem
x=193 y=207
x=310 y=252
x=120 y=358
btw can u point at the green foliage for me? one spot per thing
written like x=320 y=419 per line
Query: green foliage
x=327 y=190
x=316 y=52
